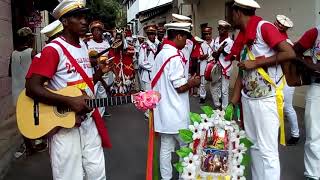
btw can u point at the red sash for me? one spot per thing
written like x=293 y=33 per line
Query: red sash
x=102 y=130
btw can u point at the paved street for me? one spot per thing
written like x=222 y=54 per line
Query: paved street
x=127 y=159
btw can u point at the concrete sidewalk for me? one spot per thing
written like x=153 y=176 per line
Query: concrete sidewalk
x=127 y=159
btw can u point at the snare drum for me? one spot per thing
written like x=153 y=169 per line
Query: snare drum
x=213 y=72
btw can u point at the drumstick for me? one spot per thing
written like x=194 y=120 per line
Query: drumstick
x=107 y=60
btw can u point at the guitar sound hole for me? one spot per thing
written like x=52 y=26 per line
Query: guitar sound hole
x=61 y=111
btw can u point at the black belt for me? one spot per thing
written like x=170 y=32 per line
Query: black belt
x=317 y=80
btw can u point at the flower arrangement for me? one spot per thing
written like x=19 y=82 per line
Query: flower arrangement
x=146 y=100
x=217 y=147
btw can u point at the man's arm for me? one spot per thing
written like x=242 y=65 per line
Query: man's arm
x=284 y=53
x=236 y=95
x=35 y=89
x=192 y=82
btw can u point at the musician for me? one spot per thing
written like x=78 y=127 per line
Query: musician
x=311 y=41
x=187 y=50
x=222 y=47
x=172 y=112
x=283 y=23
x=75 y=153
x=207 y=49
x=194 y=59
x=124 y=71
x=99 y=44
x=160 y=33
x=259 y=44
x=147 y=56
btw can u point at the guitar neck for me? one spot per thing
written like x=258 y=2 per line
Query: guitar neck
x=110 y=101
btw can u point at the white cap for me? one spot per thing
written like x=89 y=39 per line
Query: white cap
x=178 y=26
x=67 y=6
x=52 y=29
x=223 y=23
x=140 y=36
x=181 y=18
x=285 y=21
x=249 y=4
x=198 y=39
x=134 y=36
x=129 y=38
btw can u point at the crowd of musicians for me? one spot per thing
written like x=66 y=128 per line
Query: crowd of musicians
x=178 y=64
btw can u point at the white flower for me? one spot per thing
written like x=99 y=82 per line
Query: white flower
x=238 y=171
x=220 y=113
x=206 y=122
x=191 y=160
x=197 y=132
x=236 y=136
x=189 y=173
x=238 y=178
x=237 y=159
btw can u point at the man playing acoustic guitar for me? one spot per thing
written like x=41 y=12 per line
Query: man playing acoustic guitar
x=75 y=153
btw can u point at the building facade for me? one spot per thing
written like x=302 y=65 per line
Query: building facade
x=10 y=137
x=144 y=12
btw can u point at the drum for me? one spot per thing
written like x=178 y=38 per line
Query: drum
x=213 y=72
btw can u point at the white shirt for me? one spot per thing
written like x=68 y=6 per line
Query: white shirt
x=172 y=112
x=66 y=74
x=207 y=48
x=225 y=64
x=20 y=63
x=147 y=54
x=99 y=47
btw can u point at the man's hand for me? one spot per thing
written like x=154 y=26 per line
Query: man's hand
x=222 y=47
x=79 y=105
x=105 y=68
x=247 y=65
x=194 y=81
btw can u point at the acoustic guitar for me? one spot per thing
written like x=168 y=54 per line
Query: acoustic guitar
x=36 y=119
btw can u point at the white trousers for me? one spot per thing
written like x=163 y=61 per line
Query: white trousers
x=289 y=111
x=220 y=88
x=77 y=154
x=261 y=122
x=167 y=146
x=312 y=125
x=202 y=88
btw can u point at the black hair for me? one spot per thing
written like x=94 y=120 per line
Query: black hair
x=245 y=11
x=172 y=34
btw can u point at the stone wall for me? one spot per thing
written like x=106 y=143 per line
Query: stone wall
x=10 y=138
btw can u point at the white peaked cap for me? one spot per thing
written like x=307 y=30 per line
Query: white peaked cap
x=52 y=29
x=249 y=4
x=223 y=23
x=178 y=26
x=181 y=18
x=285 y=21
x=198 y=39
x=66 y=6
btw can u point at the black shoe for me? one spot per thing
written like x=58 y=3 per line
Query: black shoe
x=310 y=178
x=106 y=114
x=293 y=141
x=202 y=101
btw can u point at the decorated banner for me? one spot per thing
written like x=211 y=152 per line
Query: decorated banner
x=217 y=147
